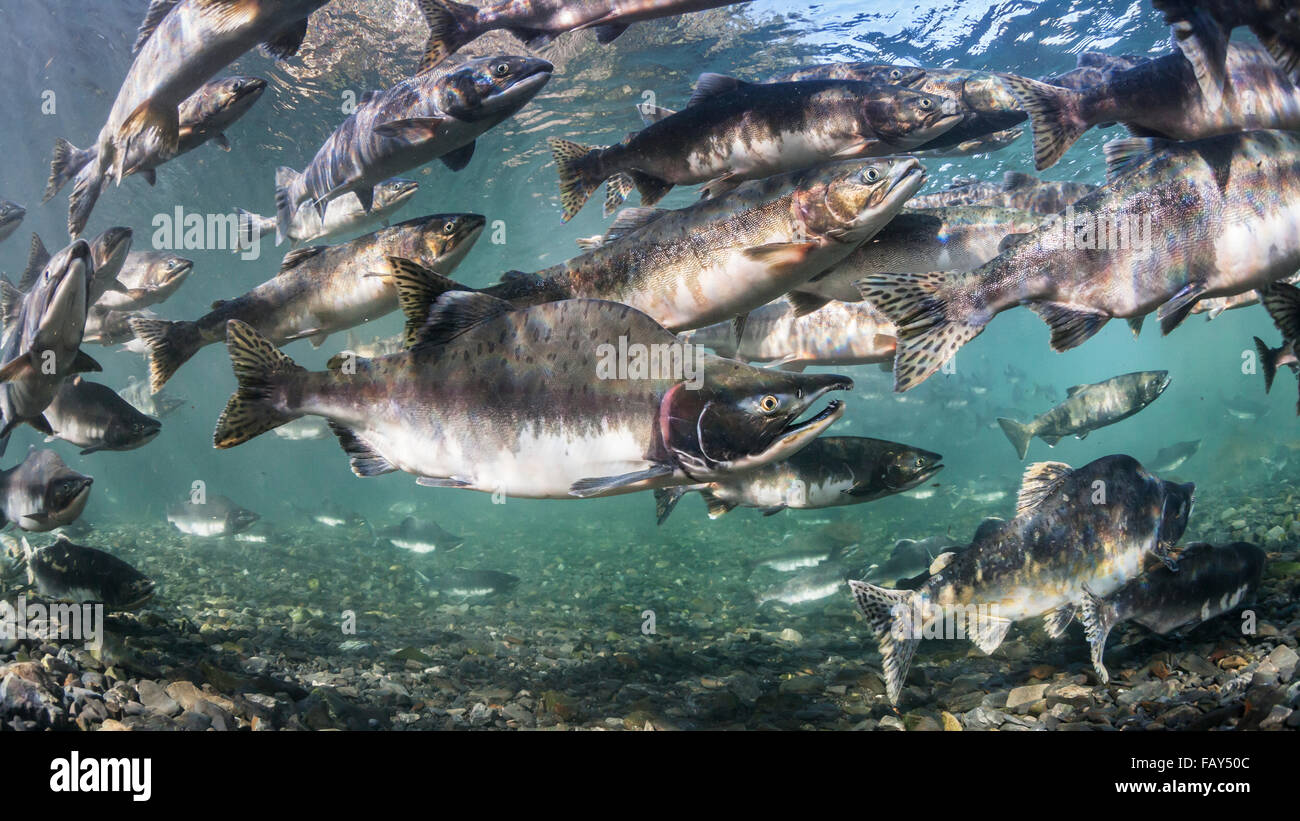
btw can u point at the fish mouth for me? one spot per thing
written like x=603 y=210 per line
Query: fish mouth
x=249 y=87
x=796 y=435
x=920 y=478
x=12 y=216
x=181 y=271
x=402 y=190
x=144 y=594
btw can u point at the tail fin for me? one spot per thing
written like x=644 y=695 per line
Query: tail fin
x=1098 y=617
x=170 y=345
x=451 y=26
x=1054 y=113
x=927 y=310
x=67 y=163
x=890 y=614
x=1268 y=361
x=258 y=366
x=1019 y=434
x=578 y=179
x=287 y=181
x=85 y=192
x=665 y=500
x=252 y=227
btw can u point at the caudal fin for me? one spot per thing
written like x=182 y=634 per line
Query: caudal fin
x=451 y=26
x=1019 y=434
x=933 y=318
x=252 y=227
x=169 y=345
x=85 y=193
x=1054 y=113
x=579 y=177
x=67 y=163
x=890 y=614
x=287 y=183
x=259 y=366
x=1268 y=362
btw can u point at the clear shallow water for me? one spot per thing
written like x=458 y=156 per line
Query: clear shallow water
x=80 y=52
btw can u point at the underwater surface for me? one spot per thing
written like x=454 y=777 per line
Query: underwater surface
x=325 y=610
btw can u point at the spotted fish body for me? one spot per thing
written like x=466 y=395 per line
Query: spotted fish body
x=1087 y=408
x=319 y=290
x=985 y=105
x=1161 y=98
x=1210 y=580
x=1063 y=545
x=435 y=114
x=957 y=238
x=831 y=472
x=75 y=573
x=732 y=131
x=525 y=402
x=838 y=333
x=724 y=257
x=182 y=45
x=1182 y=222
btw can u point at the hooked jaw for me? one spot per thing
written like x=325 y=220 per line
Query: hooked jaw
x=796 y=435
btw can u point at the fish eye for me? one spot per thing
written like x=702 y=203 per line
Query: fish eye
x=926 y=104
x=449 y=228
x=769 y=403
x=895 y=74
x=919 y=462
x=872 y=174
x=502 y=69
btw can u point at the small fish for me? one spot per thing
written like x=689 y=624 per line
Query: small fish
x=1060 y=548
x=69 y=572
x=437 y=114
x=42 y=493
x=732 y=131
x=838 y=333
x=1210 y=580
x=318 y=291
x=1161 y=98
x=343 y=216
x=205 y=115
x=181 y=45
x=799 y=559
x=11 y=216
x=978 y=145
x=157 y=405
x=454 y=25
x=148 y=278
x=94 y=418
x=1282 y=301
x=808 y=584
x=829 y=472
x=471 y=584
x=215 y=516
x=43 y=326
x=1171 y=458
x=420 y=536
x=1088 y=408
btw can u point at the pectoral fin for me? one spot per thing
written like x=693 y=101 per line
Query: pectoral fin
x=601 y=485
x=781 y=254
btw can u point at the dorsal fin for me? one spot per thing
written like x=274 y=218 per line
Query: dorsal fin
x=1073 y=389
x=456 y=312
x=711 y=85
x=1040 y=481
x=631 y=219
x=1127 y=151
x=37 y=258
x=157 y=11
x=418 y=289
x=11 y=301
x=297 y=255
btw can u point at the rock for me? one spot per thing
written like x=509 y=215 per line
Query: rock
x=187 y=695
x=1275 y=536
x=1276 y=719
x=155 y=698
x=950 y=722
x=791 y=635
x=891 y=723
x=802 y=686
x=1024 y=696
x=1285 y=660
